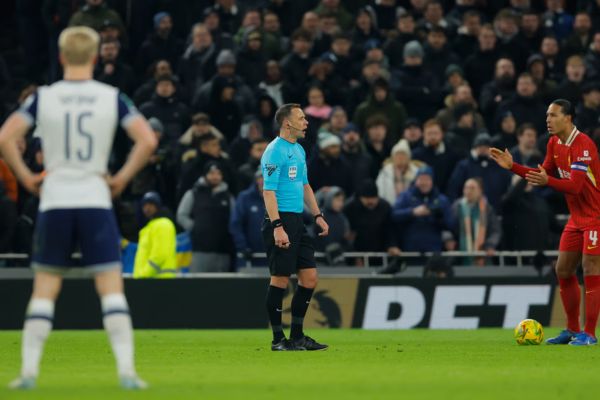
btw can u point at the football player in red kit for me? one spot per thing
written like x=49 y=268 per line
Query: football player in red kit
x=571 y=166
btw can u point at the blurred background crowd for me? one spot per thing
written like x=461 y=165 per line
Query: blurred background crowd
x=403 y=98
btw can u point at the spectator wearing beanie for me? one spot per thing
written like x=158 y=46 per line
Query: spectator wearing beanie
x=479 y=165
x=381 y=102
x=398 y=173
x=415 y=85
x=156 y=253
x=160 y=44
x=421 y=214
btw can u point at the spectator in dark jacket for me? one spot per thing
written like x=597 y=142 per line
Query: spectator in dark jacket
x=331 y=200
x=478 y=164
x=532 y=30
x=209 y=148
x=250 y=131
x=381 y=102
x=526 y=217
x=295 y=65
x=246 y=171
x=436 y=153
x=354 y=151
x=479 y=66
x=246 y=220
x=465 y=43
x=165 y=106
x=555 y=63
x=197 y=65
x=592 y=59
x=421 y=214
x=112 y=71
x=326 y=167
x=161 y=44
x=588 y=111
x=570 y=87
x=226 y=69
x=226 y=114
x=377 y=144
x=438 y=54
x=525 y=106
x=526 y=152
x=370 y=221
x=415 y=85
x=94 y=13
x=405 y=32
x=498 y=90
x=159 y=68
x=579 y=41
x=204 y=212
x=371 y=70
x=251 y=61
x=506 y=136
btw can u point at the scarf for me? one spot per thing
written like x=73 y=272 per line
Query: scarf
x=473 y=225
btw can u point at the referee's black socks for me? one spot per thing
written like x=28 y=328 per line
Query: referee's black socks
x=300 y=303
x=275 y=308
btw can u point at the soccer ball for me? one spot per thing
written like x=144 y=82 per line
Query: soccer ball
x=529 y=331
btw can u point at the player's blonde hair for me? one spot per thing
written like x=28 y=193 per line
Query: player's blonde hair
x=78 y=45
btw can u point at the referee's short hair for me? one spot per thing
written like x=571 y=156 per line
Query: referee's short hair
x=285 y=111
x=566 y=107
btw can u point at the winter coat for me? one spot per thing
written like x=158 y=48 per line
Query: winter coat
x=374 y=228
x=204 y=212
x=174 y=115
x=421 y=233
x=246 y=220
x=391 y=109
x=495 y=179
x=442 y=160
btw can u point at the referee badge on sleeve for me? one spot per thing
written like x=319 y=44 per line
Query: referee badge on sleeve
x=292 y=172
x=270 y=169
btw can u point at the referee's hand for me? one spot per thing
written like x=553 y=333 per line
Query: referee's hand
x=323 y=225
x=281 y=238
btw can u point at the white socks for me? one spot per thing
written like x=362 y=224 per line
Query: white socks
x=37 y=327
x=117 y=323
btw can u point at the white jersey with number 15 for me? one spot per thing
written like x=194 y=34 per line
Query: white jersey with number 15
x=76 y=122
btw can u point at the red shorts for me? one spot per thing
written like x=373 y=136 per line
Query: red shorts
x=586 y=240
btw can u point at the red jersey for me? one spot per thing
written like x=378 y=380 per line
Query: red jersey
x=573 y=168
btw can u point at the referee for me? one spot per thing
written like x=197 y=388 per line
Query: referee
x=289 y=248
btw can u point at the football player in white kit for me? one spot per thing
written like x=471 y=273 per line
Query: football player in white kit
x=76 y=120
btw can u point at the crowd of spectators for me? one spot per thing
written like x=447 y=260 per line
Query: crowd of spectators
x=404 y=99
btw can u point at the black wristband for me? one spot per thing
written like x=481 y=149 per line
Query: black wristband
x=276 y=223
x=319 y=215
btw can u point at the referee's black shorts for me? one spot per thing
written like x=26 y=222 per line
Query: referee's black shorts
x=300 y=254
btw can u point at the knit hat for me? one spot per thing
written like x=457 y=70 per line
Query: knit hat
x=158 y=17
x=426 y=170
x=327 y=139
x=413 y=49
x=402 y=147
x=410 y=122
x=152 y=198
x=225 y=57
x=483 y=139
x=367 y=188
x=211 y=166
x=351 y=127
x=454 y=69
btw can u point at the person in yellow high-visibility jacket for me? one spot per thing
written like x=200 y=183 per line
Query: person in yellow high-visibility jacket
x=155 y=256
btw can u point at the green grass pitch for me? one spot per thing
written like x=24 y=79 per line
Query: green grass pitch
x=416 y=364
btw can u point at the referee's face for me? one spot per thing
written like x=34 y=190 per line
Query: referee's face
x=298 y=123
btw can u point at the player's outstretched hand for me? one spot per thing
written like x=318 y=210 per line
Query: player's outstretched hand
x=33 y=182
x=116 y=185
x=537 y=178
x=324 y=226
x=503 y=158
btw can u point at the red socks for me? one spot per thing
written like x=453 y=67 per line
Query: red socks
x=570 y=295
x=592 y=303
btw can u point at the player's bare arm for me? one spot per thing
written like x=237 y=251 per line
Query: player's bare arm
x=503 y=158
x=145 y=143
x=279 y=234
x=14 y=128
x=311 y=201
